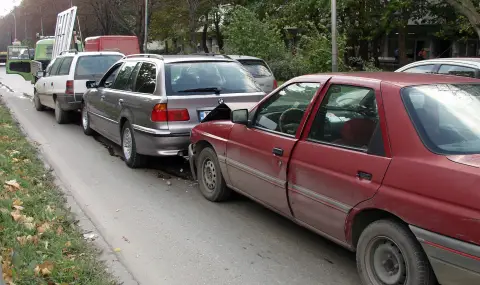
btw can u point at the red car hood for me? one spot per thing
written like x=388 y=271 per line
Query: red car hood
x=470 y=160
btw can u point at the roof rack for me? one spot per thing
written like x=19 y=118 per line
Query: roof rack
x=157 y=56
x=69 y=51
x=212 y=54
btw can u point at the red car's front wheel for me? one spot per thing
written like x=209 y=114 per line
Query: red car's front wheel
x=210 y=178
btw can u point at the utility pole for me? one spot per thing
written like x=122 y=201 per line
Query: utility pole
x=25 y=36
x=334 y=37
x=145 y=40
x=15 y=19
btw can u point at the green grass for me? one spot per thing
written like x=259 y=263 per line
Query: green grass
x=43 y=245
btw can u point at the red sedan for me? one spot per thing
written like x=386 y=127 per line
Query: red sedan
x=385 y=164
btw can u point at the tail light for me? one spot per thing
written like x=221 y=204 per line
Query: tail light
x=275 y=84
x=69 y=88
x=161 y=113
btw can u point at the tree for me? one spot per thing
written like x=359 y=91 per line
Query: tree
x=469 y=10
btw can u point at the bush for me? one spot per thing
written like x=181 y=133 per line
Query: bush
x=245 y=34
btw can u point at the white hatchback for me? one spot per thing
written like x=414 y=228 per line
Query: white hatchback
x=63 y=83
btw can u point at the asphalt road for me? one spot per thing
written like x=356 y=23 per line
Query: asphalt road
x=171 y=234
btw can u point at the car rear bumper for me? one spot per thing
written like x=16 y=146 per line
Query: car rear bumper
x=160 y=143
x=454 y=262
x=68 y=102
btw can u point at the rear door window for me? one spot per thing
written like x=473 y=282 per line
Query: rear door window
x=146 y=78
x=123 y=81
x=457 y=70
x=94 y=66
x=258 y=68
x=427 y=68
x=65 y=66
x=56 y=65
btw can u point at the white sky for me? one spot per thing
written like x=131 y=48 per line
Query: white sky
x=7 y=5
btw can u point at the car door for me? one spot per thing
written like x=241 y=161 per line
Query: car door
x=62 y=76
x=257 y=156
x=341 y=158
x=96 y=100
x=113 y=99
x=47 y=98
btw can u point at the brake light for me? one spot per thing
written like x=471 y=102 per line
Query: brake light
x=161 y=113
x=275 y=84
x=69 y=88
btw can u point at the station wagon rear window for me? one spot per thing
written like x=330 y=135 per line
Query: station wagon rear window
x=94 y=66
x=446 y=116
x=208 y=77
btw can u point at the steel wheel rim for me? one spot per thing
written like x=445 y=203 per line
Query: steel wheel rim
x=209 y=175
x=84 y=118
x=385 y=263
x=127 y=143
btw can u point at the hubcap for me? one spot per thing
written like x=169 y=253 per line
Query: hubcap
x=127 y=143
x=84 y=118
x=385 y=262
x=209 y=174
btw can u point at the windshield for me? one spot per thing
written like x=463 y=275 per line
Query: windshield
x=446 y=116
x=207 y=77
x=94 y=66
x=257 y=68
x=18 y=52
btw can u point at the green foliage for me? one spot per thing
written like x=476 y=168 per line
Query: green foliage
x=246 y=34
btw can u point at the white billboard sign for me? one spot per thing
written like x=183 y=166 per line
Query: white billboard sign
x=64 y=31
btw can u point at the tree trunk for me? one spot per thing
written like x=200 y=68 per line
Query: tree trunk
x=402 y=51
x=218 y=33
x=204 y=34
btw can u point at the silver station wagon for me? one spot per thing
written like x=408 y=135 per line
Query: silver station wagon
x=148 y=104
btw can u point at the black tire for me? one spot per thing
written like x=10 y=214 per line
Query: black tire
x=86 y=121
x=210 y=178
x=134 y=160
x=388 y=249
x=36 y=101
x=61 y=116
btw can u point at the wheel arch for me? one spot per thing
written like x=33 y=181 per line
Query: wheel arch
x=361 y=219
x=201 y=145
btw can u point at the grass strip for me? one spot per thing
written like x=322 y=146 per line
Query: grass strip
x=39 y=240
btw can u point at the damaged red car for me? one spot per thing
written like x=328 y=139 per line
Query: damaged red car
x=384 y=164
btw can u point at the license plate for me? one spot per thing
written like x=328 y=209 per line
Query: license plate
x=203 y=114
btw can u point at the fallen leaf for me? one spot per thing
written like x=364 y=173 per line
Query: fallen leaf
x=24 y=239
x=17 y=216
x=59 y=230
x=15 y=159
x=49 y=209
x=68 y=244
x=117 y=249
x=26 y=160
x=29 y=226
x=44 y=269
x=17 y=202
x=43 y=228
x=13 y=183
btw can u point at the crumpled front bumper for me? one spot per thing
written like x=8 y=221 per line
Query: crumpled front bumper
x=191 y=160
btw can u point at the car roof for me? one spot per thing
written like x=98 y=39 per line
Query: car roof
x=394 y=78
x=457 y=60
x=178 y=58
x=91 y=53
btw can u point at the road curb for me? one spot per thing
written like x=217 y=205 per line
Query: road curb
x=113 y=263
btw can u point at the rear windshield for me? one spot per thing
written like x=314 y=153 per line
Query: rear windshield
x=94 y=66
x=208 y=77
x=258 y=68
x=446 y=116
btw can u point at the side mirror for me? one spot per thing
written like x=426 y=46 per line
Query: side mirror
x=91 y=84
x=40 y=74
x=240 y=117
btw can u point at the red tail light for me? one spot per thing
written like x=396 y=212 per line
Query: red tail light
x=69 y=88
x=161 y=113
x=275 y=84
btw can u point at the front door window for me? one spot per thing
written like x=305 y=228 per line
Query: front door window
x=283 y=112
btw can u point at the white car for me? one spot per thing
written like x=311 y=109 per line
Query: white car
x=62 y=85
x=468 y=67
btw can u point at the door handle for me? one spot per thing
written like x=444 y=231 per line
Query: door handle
x=277 y=151
x=364 y=175
x=120 y=101
x=102 y=97
x=51 y=84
